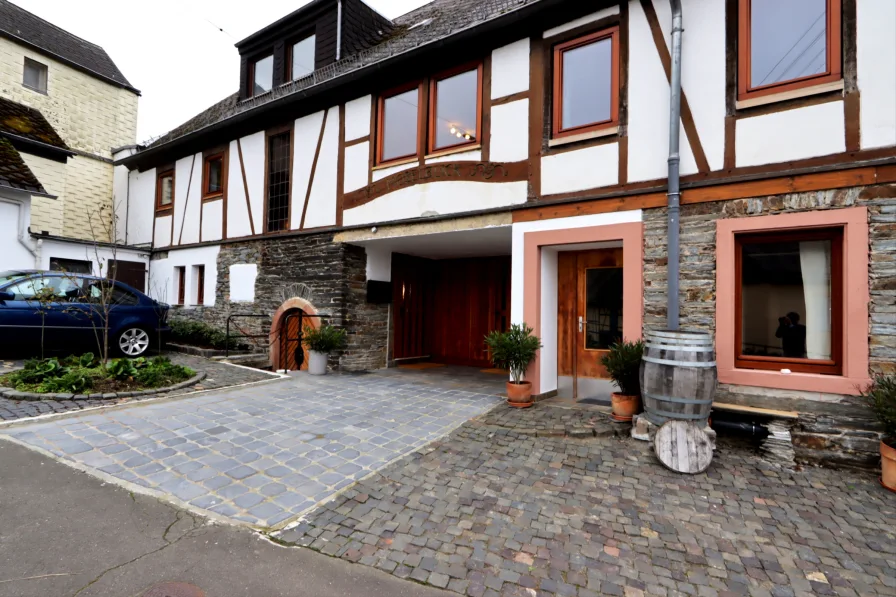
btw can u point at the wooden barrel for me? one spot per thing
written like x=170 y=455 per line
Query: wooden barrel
x=678 y=376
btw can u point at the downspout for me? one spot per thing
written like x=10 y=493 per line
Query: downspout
x=674 y=196
x=338 y=30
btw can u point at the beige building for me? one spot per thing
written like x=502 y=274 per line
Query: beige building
x=92 y=108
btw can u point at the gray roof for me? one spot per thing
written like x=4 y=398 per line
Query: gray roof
x=429 y=23
x=20 y=25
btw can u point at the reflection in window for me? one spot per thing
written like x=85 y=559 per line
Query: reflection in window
x=214 y=175
x=587 y=84
x=278 y=182
x=399 y=125
x=603 y=307
x=166 y=190
x=303 y=58
x=456 y=115
x=788 y=40
x=263 y=75
x=787 y=299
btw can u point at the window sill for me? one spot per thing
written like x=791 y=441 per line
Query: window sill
x=167 y=211
x=773 y=98
x=607 y=132
x=454 y=150
x=803 y=382
x=398 y=162
x=215 y=197
x=35 y=89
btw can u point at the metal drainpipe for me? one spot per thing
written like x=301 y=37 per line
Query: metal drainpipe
x=674 y=195
x=339 y=30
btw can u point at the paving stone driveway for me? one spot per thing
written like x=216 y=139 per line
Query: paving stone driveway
x=260 y=454
x=490 y=511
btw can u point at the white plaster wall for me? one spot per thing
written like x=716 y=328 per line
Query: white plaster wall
x=548 y=362
x=253 y=157
x=98 y=256
x=703 y=70
x=14 y=217
x=141 y=211
x=876 y=24
x=162 y=232
x=306 y=134
x=579 y=170
x=464 y=156
x=386 y=172
x=242 y=282
x=510 y=132
x=791 y=135
x=357 y=166
x=212 y=220
x=322 y=203
x=379 y=263
x=438 y=198
x=648 y=108
x=188 y=199
x=590 y=18
x=120 y=178
x=357 y=118
x=163 y=282
x=510 y=69
x=237 y=213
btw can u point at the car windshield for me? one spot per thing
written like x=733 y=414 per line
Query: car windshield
x=8 y=276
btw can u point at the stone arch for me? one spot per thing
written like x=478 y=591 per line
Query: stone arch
x=279 y=319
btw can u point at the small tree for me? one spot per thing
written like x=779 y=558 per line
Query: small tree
x=45 y=297
x=513 y=350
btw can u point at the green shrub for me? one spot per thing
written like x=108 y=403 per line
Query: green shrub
x=73 y=382
x=326 y=338
x=196 y=333
x=36 y=371
x=514 y=349
x=623 y=364
x=880 y=396
x=122 y=369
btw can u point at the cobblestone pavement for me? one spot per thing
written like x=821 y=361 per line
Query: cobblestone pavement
x=260 y=454
x=544 y=420
x=489 y=511
x=10 y=365
x=220 y=375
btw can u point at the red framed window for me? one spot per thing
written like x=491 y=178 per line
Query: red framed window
x=398 y=123
x=165 y=190
x=789 y=45
x=455 y=108
x=586 y=83
x=200 y=285
x=789 y=301
x=213 y=176
x=181 y=274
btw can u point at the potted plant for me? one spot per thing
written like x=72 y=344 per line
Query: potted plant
x=514 y=350
x=623 y=364
x=880 y=397
x=321 y=342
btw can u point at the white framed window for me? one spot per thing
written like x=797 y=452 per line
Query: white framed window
x=35 y=75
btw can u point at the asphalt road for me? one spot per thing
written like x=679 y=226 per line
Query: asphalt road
x=64 y=533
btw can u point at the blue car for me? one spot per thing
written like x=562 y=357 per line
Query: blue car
x=62 y=310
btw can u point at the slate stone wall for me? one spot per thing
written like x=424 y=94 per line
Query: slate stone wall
x=831 y=428
x=331 y=276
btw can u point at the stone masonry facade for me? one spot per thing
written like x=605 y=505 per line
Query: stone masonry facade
x=837 y=429
x=335 y=275
x=92 y=117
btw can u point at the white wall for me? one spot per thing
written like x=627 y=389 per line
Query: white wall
x=876 y=23
x=141 y=206
x=163 y=282
x=237 y=213
x=437 y=199
x=242 y=282
x=212 y=220
x=15 y=214
x=510 y=69
x=389 y=171
x=357 y=166
x=307 y=132
x=791 y=135
x=162 y=232
x=187 y=199
x=464 y=156
x=253 y=161
x=580 y=170
x=510 y=132
x=322 y=202
x=357 y=118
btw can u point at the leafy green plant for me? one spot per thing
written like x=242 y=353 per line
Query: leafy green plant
x=623 y=364
x=122 y=369
x=196 y=333
x=74 y=382
x=36 y=371
x=880 y=396
x=326 y=338
x=514 y=349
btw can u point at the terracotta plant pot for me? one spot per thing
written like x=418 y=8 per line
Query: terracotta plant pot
x=888 y=465
x=519 y=395
x=624 y=407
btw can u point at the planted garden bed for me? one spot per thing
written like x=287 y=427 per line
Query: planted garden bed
x=84 y=376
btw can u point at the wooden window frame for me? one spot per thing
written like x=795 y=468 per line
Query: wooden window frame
x=745 y=89
x=432 y=116
x=380 y=121
x=557 y=130
x=274 y=132
x=164 y=173
x=200 y=285
x=290 y=47
x=250 y=84
x=833 y=366
x=181 y=284
x=206 y=159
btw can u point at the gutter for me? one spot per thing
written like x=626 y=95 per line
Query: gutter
x=40 y=145
x=674 y=194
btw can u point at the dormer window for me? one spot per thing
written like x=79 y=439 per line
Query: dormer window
x=262 y=75
x=302 y=57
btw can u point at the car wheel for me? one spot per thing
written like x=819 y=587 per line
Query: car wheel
x=133 y=342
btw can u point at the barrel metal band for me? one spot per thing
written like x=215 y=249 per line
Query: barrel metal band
x=679 y=348
x=678 y=363
x=678 y=400
x=691 y=417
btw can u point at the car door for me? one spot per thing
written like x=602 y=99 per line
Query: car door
x=21 y=318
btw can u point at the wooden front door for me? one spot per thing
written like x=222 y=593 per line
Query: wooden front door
x=589 y=312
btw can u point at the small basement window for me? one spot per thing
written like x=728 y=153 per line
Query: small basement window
x=262 y=76
x=35 y=75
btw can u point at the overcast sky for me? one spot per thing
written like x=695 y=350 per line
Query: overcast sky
x=174 y=51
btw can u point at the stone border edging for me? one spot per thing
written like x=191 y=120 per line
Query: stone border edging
x=572 y=432
x=13 y=394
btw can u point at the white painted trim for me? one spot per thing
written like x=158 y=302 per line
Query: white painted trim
x=789 y=95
